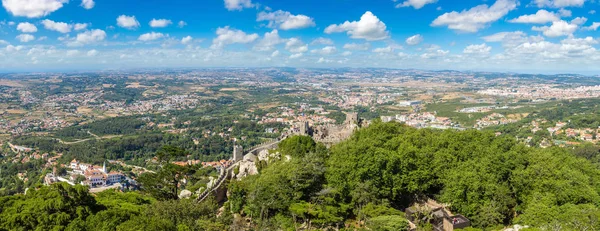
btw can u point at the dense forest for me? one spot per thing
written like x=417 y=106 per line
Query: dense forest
x=363 y=183
x=381 y=170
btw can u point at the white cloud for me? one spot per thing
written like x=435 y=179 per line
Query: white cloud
x=347 y=53
x=557 y=29
x=434 y=54
x=357 y=47
x=296 y=45
x=26 y=27
x=160 y=23
x=25 y=38
x=128 y=22
x=72 y=52
x=593 y=27
x=481 y=49
x=369 y=28
x=414 y=40
x=512 y=39
x=388 y=49
x=269 y=41
x=42 y=38
x=32 y=8
x=328 y=50
x=275 y=54
x=92 y=53
x=541 y=17
x=559 y=3
x=150 y=36
x=322 y=41
x=56 y=26
x=476 y=18
x=564 y=12
x=80 y=26
x=592 y=12
x=88 y=37
x=226 y=36
x=417 y=4
x=295 y=56
x=11 y=48
x=186 y=40
x=285 y=20
x=88 y=4
x=232 y=5
x=579 y=20
x=181 y=24
x=324 y=60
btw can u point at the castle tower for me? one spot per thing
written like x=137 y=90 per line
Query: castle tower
x=238 y=152
x=304 y=128
x=351 y=118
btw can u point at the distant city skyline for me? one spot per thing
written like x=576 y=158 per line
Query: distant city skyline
x=528 y=36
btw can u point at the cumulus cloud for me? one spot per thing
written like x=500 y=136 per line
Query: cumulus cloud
x=565 y=13
x=26 y=27
x=541 y=17
x=88 y=4
x=232 y=5
x=92 y=52
x=414 y=40
x=433 y=54
x=128 y=22
x=388 y=49
x=328 y=50
x=369 y=27
x=476 y=18
x=160 y=23
x=558 y=3
x=150 y=36
x=226 y=36
x=186 y=40
x=11 y=48
x=56 y=26
x=285 y=20
x=275 y=53
x=80 y=26
x=296 y=45
x=512 y=39
x=357 y=46
x=481 y=49
x=32 y=8
x=72 y=52
x=557 y=29
x=181 y=24
x=417 y=4
x=88 y=37
x=295 y=56
x=593 y=27
x=579 y=20
x=269 y=41
x=322 y=41
x=25 y=38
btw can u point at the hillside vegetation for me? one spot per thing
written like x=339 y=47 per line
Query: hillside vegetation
x=363 y=183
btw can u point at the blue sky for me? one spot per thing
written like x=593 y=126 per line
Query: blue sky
x=534 y=36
